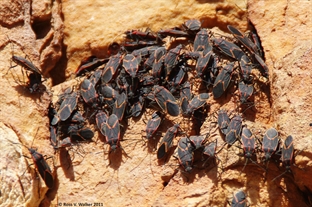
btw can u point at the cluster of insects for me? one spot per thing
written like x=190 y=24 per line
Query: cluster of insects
x=142 y=73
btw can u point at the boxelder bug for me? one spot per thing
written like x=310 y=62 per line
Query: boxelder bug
x=120 y=106
x=131 y=65
x=256 y=40
x=176 y=77
x=234 y=130
x=223 y=121
x=153 y=124
x=139 y=35
x=91 y=63
x=243 y=39
x=223 y=80
x=210 y=151
x=148 y=63
x=185 y=154
x=130 y=46
x=146 y=51
x=287 y=155
x=88 y=93
x=245 y=91
x=166 y=100
x=249 y=145
x=249 y=142
x=192 y=26
x=270 y=143
x=239 y=200
x=25 y=64
x=228 y=48
x=264 y=70
x=137 y=107
x=186 y=91
x=158 y=65
x=68 y=105
x=202 y=63
x=166 y=141
x=43 y=167
x=196 y=102
x=201 y=42
x=95 y=77
x=109 y=93
x=111 y=68
x=112 y=132
x=197 y=141
x=171 y=59
x=101 y=119
x=84 y=134
x=245 y=66
x=34 y=84
x=174 y=32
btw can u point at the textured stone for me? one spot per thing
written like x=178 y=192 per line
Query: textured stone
x=56 y=37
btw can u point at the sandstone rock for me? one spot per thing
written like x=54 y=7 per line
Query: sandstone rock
x=57 y=36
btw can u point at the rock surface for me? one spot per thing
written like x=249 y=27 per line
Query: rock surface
x=57 y=36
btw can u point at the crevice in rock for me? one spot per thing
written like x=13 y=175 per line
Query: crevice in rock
x=165 y=184
x=41 y=28
x=58 y=74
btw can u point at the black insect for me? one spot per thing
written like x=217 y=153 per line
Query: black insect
x=81 y=134
x=243 y=39
x=222 y=81
x=223 y=121
x=198 y=101
x=270 y=143
x=201 y=42
x=203 y=62
x=166 y=100
x=43 y=167
x=153 y=124
x=249 y=145
x=197 y=141
x=91 y=63
x=264 y=70
x=88 y=93
x=130 y=46
x=234 y=130
x=137 y=107
x=34 y=75
x=140 y=35
x=185 y=154
x=287 y=155
x=111 y=68
x=171 y=59
x=192 y=26
x=174 y=32
x=112 y=132
x=158 y=65
x=245 y=91
x=68 y=105
x=120 y=106
x=131 y=65
x=246 y=67
x=166 y=141
x=228 y=48
x=210 y=152
x=101 y=118
x=239 y=200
